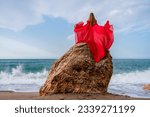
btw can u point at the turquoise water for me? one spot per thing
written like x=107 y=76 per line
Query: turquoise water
x=37 y=65
x=130 y=65
x=129 y=75
x=29 y=65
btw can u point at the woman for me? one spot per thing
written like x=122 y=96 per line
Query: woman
x=98 y=38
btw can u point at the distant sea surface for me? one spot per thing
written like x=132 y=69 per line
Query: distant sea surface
x=28 y=75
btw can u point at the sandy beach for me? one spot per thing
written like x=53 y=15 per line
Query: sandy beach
x=10 y=95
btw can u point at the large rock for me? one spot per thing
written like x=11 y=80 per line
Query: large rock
x=147 y=87
x=77 y=72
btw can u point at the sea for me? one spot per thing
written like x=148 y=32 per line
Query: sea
x=28 y=75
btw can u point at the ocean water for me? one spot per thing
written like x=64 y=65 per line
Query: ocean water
x=129 y=75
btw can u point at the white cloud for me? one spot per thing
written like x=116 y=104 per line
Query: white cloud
x=10 y=48
x=17 y=14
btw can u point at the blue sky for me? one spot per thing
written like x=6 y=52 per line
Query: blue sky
x=44 y=28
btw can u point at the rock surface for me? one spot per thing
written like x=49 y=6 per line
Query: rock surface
x=147 y=87
x=77 y=72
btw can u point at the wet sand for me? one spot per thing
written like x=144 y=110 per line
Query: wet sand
x=10 y=95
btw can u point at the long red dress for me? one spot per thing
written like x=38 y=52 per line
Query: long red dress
x=98 y=38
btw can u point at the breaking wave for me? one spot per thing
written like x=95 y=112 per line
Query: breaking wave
x=130 y=84
x=17 y=80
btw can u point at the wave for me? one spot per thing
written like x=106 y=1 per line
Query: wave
x=130 y=84
x=17 y=76
x=136 y=77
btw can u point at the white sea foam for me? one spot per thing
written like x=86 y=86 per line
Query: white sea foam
x=125 y=84
x=17 y=80
x=137 y=77
x=130 y=83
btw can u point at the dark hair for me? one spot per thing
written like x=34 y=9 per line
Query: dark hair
x=92 y=19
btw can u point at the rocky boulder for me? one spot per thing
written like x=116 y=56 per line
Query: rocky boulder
x=77 y=72
x=147 y=87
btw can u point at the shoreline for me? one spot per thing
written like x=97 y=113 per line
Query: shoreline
x=10 y=95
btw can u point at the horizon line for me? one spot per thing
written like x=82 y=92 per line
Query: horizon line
x=58 y=58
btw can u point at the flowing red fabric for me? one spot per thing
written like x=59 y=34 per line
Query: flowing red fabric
x=98 y=38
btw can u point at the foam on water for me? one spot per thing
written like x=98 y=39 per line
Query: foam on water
x=17 y=80
x=136 y=77
x=131 y=83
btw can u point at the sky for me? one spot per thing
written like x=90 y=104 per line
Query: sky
x=43 y=29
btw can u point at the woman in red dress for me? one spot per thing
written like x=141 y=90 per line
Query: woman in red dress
x=98 y=38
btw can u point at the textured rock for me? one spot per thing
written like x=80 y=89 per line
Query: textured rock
x=77 y=72
x=147 y=87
